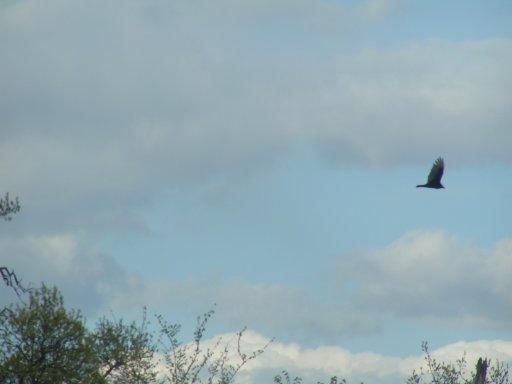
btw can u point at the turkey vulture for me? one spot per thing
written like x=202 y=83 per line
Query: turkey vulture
x=434 y=177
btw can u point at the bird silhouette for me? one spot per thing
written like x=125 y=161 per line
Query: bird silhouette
x=434 y=177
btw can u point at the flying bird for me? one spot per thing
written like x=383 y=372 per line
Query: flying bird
x=434 y=177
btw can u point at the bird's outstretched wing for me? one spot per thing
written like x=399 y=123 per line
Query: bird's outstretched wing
x=436 y=172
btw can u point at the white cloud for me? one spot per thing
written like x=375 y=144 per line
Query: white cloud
x=432 y=275
x=321 y=363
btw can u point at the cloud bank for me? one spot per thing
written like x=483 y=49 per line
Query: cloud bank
x=320 y=364
x=432 y=276
x=159 y=96
x=426 y=277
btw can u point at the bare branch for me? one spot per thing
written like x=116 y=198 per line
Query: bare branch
x=8 y=206
x=11 y=280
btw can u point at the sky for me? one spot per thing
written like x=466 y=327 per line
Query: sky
x=262 y=156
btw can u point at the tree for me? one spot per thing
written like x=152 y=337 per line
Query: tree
x=125 y=352
x=192 y=363
x=42 y=342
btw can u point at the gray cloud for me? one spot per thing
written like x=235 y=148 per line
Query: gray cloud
x=425 y=276
x=113 y=102
x=292 y=313
x=88 y=279
x=96 y=283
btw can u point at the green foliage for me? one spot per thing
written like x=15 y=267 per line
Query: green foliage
x=43 y=343
x=125 y=352
x=449 y=373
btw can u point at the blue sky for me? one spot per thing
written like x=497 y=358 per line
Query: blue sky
x=263 y=155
